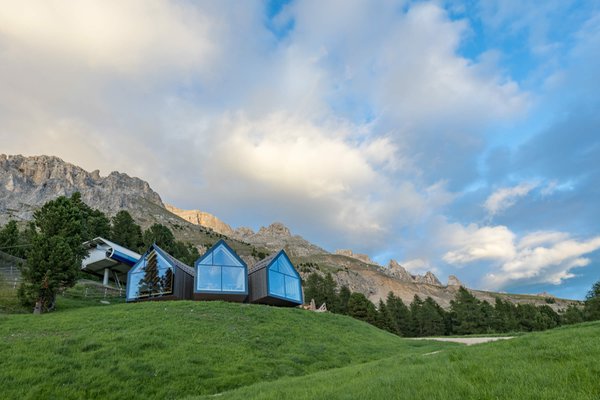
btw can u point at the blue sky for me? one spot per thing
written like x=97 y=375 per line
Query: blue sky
x=459 y=137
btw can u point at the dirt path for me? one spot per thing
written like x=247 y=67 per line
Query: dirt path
x=467 y=340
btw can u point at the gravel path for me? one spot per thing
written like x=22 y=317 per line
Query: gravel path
x=467 y=340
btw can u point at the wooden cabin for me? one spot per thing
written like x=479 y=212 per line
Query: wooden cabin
x=159 y=276
x=275 y=281
x=221 y=275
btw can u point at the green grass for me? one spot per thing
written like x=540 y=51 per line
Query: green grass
x=178 y=349
x=196 y=350
x=558 y=364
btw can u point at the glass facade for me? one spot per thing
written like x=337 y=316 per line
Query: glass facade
x=151 y=276
x=284 y=281
x=220 y=271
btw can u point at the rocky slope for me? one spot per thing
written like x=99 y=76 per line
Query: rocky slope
x=26 y=183
x=276 y=237
x=202 y=218
x=361 y=257
x=376 y=282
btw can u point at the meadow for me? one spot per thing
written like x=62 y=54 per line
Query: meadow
x=196 y=350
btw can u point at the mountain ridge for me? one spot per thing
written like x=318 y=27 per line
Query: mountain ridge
x=26 y=183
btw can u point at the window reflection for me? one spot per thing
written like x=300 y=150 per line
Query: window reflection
x=220 y=271
x=283 y=281
x=153 y=276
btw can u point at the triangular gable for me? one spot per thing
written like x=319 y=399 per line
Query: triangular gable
x=282 y=263
x=221 y=254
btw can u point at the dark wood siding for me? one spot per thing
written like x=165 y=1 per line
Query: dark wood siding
x=183 y=286
x=239 y=298
x=257 y=282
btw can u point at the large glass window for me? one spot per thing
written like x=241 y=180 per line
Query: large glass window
x=152 y=276
x=283 y=281
x=220 y=271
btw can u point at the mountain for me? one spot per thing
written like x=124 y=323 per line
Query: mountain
x=26 y=183
x=202 y=218
x=276 y=237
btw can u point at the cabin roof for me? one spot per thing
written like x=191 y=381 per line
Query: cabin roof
x=265 y=262
x=180 y=264
x=227 y=247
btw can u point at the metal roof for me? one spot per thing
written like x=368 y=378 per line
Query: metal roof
x=263 y=263
x=181 y=265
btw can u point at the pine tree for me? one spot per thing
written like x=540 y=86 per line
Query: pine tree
x=573 y=315
x=360 y=307
x=55 y=255
x=592 y=303
x=399 y=314
x=10 y=239
x=126 y=232
x=466 y=313
x=342 y=300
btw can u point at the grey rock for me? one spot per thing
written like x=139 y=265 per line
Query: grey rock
x=27 y=183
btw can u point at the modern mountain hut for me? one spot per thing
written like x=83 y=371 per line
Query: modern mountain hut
x=108 y=260
x=221 y=275
x=159 y=276
x=275 y=281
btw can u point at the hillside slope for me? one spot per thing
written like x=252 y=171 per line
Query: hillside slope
x=556 y=364
x=175 y=349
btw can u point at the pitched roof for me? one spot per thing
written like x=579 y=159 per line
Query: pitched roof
x=179 y=264
x=264 y=262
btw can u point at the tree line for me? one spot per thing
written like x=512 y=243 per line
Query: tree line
x=466 y=315
x=51 y=245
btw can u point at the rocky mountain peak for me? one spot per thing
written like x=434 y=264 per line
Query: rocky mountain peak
x=202 y=218
x=454 y=281
x=277 y=236
x=28 y=182
x=361 y=257
x=275 y=229
x=429 y=278
x=398 y=271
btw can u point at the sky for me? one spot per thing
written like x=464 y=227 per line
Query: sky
x=461 y=137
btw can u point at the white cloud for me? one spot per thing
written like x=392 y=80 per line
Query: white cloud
x=539 y=257
x=504 y=198
x=474 y=243
x=545 y=261
x=131 y=36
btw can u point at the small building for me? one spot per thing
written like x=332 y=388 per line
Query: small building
x=159 y=276
x=275 y=281
x=108 y=260
x=221 y=275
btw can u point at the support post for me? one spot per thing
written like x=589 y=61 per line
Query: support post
x=106 y=275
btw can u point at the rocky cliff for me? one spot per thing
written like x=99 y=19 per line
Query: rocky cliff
x=276 y=237
x=202 y=218
x=26 y=183
x=361 y=257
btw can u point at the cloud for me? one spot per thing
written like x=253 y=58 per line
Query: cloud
x=539 y=257
x=504 y=198
x=474 y=243
x=545 y=257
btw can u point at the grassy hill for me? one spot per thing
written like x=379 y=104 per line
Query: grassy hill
x=178 y=349
x=557 y=364
x=198 y=349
